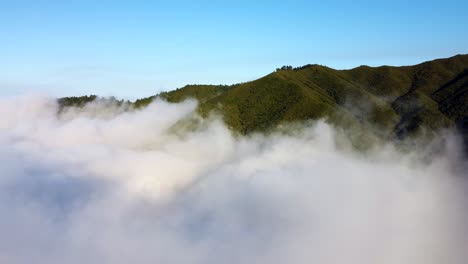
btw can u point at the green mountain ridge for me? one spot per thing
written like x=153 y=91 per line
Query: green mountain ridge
x=387 y=102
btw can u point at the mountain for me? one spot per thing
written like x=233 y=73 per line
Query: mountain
x=387 y=102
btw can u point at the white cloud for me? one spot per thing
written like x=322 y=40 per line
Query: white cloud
x=119 y=187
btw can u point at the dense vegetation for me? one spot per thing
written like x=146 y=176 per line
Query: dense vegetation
x=77 y=101
x=390 y=102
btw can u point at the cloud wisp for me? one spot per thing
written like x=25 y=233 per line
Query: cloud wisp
x=103 y=185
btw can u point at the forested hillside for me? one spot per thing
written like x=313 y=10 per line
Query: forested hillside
x=390 y=102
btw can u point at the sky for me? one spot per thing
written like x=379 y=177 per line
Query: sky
x=132 y=49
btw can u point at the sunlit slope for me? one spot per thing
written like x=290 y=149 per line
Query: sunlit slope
x=198 y=92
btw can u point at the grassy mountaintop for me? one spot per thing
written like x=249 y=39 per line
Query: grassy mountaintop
x=390 y=102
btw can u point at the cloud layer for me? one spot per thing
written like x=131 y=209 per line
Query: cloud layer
x=103 y=185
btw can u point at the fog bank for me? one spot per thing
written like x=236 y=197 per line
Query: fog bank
x=104 y=185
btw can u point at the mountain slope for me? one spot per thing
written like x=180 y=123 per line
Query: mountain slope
x=389 y=102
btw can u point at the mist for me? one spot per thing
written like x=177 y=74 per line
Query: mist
x=102 y=184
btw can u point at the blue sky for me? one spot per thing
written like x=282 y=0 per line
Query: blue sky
x=137 y=48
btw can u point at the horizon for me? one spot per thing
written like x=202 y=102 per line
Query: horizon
x=131 y=50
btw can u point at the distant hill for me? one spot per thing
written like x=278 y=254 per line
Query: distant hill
x=387 y=102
